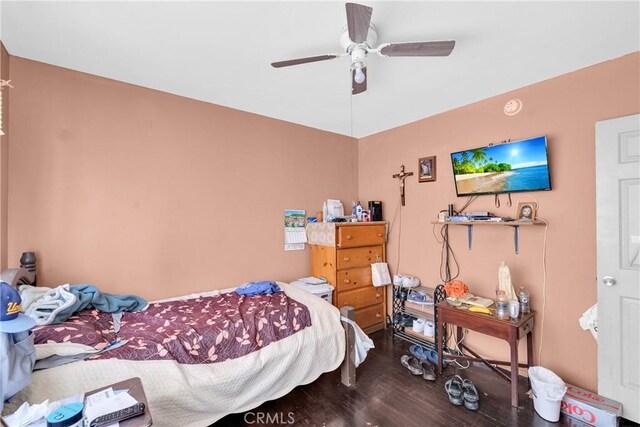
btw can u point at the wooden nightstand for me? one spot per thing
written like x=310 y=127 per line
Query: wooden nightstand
x=343 y=254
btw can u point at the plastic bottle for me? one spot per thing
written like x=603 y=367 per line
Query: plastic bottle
x=324 y=211
x=359 y=212
x=523 y=297
x=502 y=305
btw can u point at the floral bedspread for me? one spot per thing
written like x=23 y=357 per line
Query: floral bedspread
x=195 y=331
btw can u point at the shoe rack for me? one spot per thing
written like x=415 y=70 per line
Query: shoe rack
x=402 y=308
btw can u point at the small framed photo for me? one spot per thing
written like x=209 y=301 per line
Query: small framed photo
x=427 y=169
x=527 y=211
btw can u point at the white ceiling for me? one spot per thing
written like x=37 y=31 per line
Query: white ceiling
x=220 y=52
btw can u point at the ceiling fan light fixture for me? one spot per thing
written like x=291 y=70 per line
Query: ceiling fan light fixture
x=359 y=76
x=358 y=62
x=359 y=38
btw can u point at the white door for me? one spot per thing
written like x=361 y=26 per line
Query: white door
x=618 y=235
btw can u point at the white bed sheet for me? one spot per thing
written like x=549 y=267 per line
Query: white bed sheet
x=198 y=395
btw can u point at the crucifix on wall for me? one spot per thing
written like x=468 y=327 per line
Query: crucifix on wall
x=401 y=177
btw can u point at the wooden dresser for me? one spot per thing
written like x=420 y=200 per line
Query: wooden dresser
x=343 y=254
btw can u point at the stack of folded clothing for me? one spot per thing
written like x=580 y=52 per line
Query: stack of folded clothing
x=264 y=287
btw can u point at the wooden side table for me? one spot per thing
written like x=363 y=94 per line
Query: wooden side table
x=508 y=330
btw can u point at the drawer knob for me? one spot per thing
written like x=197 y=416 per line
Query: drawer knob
x=378 y=315
x=347 y=281
x=346 y=303
x=377 y=294
x=379 y=234
x=346 y=259
x=349 y=237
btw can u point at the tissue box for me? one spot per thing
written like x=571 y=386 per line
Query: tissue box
x=590 y=407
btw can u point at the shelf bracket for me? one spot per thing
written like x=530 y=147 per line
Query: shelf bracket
x=516 y=237
x=470 y=235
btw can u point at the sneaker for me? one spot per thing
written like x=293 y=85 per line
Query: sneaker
x=419 y=298
x=404 y=320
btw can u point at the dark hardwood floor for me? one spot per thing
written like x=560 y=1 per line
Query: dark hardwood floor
x=386 y=394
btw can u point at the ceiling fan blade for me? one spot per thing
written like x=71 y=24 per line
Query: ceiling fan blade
x=358 y=20
x=439 y=48
x=357 y=88
x=299 y=61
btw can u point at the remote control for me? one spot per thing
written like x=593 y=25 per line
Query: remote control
x=122 y=414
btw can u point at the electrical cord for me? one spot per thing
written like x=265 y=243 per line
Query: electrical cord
x=470 y=200
x=455 y=351
x=544 y=279
x=544 y=287
x=445 y=253
x=398 y=214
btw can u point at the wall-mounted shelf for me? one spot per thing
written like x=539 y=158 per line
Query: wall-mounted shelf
x=515 y=224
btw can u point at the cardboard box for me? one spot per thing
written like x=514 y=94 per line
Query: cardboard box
x=590 y=407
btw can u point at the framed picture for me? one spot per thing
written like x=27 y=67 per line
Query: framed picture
x=427 y=169
x=527 y=211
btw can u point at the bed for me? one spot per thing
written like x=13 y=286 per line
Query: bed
x=196 y=394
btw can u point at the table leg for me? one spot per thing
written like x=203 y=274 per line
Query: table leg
x=440 y=337
x=513 y=342
x=529 y=353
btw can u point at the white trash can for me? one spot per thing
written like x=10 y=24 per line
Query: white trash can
x=548 y=390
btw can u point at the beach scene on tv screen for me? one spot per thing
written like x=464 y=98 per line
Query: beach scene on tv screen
x=516 y=166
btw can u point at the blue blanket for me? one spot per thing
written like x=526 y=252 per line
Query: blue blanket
x=90 y=297
x=265 y=287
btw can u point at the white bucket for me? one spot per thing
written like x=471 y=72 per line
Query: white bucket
x=548 y=390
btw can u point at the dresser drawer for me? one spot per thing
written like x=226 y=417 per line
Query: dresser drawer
x=360 y=235
x=359 y=298
x=353 y=278
x=358 y=257
x=369 y=316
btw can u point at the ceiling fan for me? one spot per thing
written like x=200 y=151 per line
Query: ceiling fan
x=358 y=40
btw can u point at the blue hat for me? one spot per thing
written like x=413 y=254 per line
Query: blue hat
x=11 y=320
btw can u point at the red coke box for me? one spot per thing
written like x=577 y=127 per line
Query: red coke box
x=590 y=407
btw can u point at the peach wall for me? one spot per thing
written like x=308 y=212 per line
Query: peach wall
x=146 y=192
x=140 y=191
x=566 y=109
x=4 y=158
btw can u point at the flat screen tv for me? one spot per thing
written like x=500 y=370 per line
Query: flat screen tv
x=505 y=168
